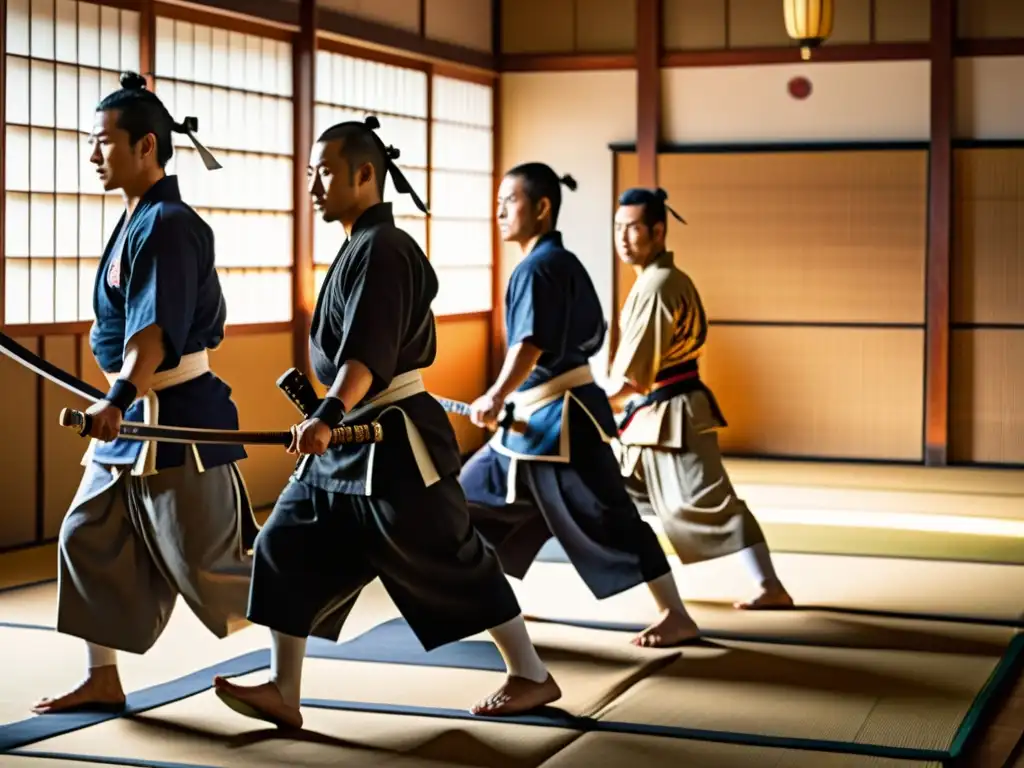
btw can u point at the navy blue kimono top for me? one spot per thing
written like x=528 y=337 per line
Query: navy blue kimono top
x=551 y=303
x=374 y=307
x=162 y=273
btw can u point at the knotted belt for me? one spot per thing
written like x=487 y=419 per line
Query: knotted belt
x=528 y=402
x=190 y=367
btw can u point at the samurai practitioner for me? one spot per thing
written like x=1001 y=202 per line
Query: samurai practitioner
x=394 y=509
x=668 y=442
x=145 y=525
x=561 y=477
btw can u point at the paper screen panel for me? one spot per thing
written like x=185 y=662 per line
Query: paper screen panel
x=818 y=236
x=852 y=393
x=988 y=236
x=62 y=57
x=986 y=404
x=239 y=86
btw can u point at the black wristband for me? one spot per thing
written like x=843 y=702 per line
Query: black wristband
x=330 y=411
x=122 y=394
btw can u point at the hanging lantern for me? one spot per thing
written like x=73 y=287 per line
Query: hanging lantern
x=809 y=22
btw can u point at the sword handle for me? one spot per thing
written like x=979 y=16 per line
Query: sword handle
x=299 y=391
x=79 y=421
x=357 y=433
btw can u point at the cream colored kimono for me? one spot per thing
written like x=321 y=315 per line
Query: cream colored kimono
x=669 y=451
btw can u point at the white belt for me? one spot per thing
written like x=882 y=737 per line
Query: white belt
x=532 y=400
x=190 y=367
x=403 y=386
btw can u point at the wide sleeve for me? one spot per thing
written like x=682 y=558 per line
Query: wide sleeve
x=374 y=318
x=162 y=286
x=538 y=309
x=647 y=327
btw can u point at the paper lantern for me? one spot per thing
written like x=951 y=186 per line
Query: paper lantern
x=809 y=22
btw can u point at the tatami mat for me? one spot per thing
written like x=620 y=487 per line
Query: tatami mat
x=836 y=673
x=848 y=585
x=613 y=750
x=885 y=698
x=592 y=668
x=203 y=731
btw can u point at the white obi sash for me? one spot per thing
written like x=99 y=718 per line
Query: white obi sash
x=190 y=367
x=528 y=402
x=403 y=386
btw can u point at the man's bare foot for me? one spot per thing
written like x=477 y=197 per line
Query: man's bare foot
x=518 y=695
x=673 y=629
x=772 y=597
x=260 y=702
x=100 y=691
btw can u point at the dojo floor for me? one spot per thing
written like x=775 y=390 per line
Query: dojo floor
x=889 y=661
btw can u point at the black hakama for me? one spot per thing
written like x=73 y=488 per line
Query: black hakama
x=570 y=488
x=393 y=510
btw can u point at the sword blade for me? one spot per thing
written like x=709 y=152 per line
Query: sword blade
x=48 y=370
x=453 y=406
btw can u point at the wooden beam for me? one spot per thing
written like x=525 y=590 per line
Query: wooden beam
x=791 y=55
x=564 y=62
x=940 y=205
x=303 y=79
x=648 y=129
x=496 y=351
x=648 y=89
x=354 y=27
x=3 y=155
x=993 y=46
x=147 y=41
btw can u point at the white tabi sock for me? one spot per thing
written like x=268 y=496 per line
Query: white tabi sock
x=758 y=562
x=100 y=656
x=286 y=655
x=517 y=649
x=666 y=594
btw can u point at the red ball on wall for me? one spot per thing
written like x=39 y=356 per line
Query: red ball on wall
x=799 y=87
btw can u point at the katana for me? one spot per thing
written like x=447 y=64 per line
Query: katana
x=298 y=389
x=81 y=422
x=344 y=435
x=48 y=370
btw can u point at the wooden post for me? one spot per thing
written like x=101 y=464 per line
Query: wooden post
x=303 y=96
x=940 y=231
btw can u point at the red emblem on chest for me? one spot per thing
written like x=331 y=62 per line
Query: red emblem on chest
x=114 y=273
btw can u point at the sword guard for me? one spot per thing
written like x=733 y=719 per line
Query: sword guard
x=77 y=420
x=508 y=420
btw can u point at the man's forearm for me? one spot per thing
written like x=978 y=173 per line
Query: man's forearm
x=619 y=390
x=143 y=354
x=519 y=362
x=351 y=384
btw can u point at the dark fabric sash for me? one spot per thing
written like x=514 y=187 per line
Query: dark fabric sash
x=671 y=382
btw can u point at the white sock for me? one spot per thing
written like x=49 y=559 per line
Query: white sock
x=758 y=562
x=100 y=656
x=517 y=649
x=286 y=655
x=666 y=594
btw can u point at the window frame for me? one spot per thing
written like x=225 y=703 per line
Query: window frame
x=287 y=33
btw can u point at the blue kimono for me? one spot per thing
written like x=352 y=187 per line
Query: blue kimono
x=564 y=477
x=158 y=268
x=132 y=543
